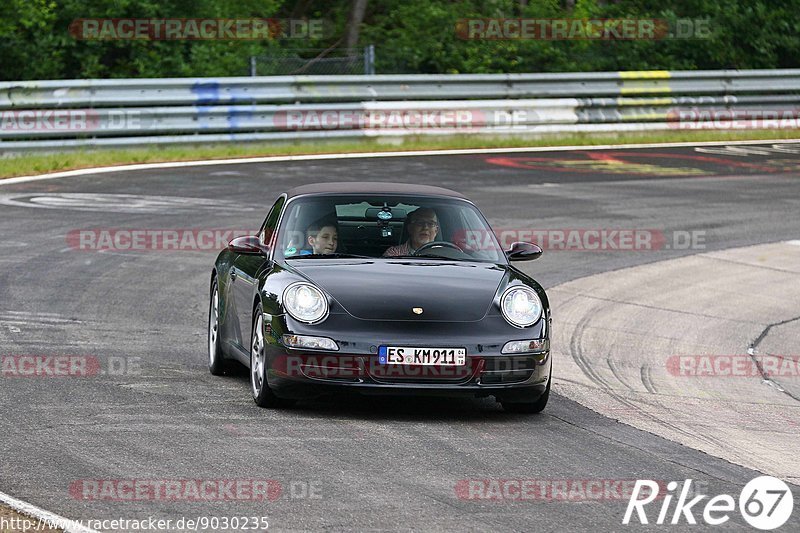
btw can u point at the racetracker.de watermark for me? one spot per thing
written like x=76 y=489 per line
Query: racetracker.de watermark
x=383 y=119
x=205 y=490
x=559 y=29
x=584 y=239
x=67 y=366
x=733 y=119
x=151 y=523
x=44 y=120
x=194 y=29
x=152 y=239
x=533 y=489
x=344 y=366
x=734 y=366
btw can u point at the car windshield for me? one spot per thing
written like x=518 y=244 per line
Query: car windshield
x=385 y=226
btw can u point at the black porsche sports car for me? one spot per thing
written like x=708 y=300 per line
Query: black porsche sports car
x=380 y=288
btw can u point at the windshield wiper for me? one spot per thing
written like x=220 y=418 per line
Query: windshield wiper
x=330 y=256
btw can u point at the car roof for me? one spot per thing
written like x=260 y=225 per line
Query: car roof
x=371 y=187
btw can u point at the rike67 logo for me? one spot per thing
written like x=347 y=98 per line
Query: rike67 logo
x=765 y=503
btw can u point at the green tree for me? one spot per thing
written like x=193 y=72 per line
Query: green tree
x=410 y=36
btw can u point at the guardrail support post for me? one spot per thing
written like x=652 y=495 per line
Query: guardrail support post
x=369 y=59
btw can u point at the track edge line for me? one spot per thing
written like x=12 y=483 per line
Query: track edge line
x=51 y=519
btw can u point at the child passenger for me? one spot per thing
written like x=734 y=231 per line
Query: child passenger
x=322 y=236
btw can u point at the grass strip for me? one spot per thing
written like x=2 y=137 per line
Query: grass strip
x=30 y=164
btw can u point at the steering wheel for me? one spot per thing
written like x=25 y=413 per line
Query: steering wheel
x=429 y=245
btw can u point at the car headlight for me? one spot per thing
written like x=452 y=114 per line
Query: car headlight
x=305 y=302
x=521 y=306
x=307 y=341
x=527 y=346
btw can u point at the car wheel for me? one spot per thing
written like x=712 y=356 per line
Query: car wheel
x=217 y=364
x=262 y=394
x=529 y=407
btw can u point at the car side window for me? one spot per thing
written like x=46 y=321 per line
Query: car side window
x=271 y=222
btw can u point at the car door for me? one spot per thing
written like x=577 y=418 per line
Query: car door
x=245 y=272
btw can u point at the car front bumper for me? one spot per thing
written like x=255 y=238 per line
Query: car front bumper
x=301 y=375
x=298 y=373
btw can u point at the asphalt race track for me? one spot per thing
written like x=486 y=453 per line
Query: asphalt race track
x=151 y=411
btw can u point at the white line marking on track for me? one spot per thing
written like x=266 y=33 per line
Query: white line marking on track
x=364 y=155
x=45 y=517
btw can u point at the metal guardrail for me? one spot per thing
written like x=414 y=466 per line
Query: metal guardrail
x=55 y=115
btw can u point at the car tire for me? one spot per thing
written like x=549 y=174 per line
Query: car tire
x=529 y=407
x=262 y=394
x=217 y=364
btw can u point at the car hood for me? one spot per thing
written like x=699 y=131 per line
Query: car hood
x=389 y=290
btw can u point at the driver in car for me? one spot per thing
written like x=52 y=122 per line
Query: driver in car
x=423 y=225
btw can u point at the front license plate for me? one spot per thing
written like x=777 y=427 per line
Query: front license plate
x=411 y=355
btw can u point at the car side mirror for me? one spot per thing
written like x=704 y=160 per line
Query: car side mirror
x=249 y=245
x=523 y=251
